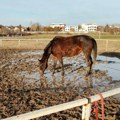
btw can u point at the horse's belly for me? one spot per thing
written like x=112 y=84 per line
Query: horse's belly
x=72 y=52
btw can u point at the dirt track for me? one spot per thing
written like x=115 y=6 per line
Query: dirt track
x=22 y=90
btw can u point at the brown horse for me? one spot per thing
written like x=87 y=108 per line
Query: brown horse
x=61 y=47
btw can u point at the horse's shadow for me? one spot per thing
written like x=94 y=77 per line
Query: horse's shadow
x=64 y=84
x=58 y=68
x=66 y=67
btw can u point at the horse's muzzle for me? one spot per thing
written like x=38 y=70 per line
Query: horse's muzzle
x=41 y=72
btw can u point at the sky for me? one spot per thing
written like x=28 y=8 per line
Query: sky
x=70 y=12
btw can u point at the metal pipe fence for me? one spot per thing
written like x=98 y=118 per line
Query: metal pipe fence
x=57 y=108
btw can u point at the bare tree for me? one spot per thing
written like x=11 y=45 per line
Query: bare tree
x=107 y=28
x=35 y=27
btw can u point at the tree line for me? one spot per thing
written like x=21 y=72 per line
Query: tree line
x=36 y=27
x=112 y=29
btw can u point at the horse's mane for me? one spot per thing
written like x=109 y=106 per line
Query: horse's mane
x=47 y=47
x=47 y=51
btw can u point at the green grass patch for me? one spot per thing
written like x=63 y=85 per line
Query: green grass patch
x=49 y=36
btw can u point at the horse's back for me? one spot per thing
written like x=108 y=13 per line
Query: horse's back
x=65 y=46
x=71 y=46
x=73 y=40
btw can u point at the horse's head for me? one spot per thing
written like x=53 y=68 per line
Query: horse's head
x=42 y=67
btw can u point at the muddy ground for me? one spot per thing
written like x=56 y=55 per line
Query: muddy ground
x=111 y=54
x=22 y=89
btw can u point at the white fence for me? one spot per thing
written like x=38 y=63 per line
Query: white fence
x=103 y=44
x=65 y=106
x=23 y=43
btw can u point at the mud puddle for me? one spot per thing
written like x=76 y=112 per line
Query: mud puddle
x=105 y=73
x=110 y=65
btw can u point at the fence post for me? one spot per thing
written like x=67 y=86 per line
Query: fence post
x=1 y=43
x=99 y=34
x=37 y=43
x=19 y=44
x=106 y=46
x=86 y=110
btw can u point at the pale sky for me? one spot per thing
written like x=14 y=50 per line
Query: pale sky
x=70 y=12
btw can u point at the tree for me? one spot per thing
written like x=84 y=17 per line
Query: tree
x=107 y=28
x=4 y=31
x=100 y=28
x=47 y=29
x=35 y=27
x=79 y=27
x=56 y=29
x=20 y=29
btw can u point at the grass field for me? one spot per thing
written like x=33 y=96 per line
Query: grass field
x=96 y=35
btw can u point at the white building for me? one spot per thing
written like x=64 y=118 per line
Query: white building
x=89 y=27
x=71 y=28
x=67 y=28
x=60 y=25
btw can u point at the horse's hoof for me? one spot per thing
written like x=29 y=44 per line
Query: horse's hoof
x=43 y=77
x=52 y=74
x=87 y=75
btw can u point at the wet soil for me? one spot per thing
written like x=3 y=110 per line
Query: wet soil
x=22 y=89
x=111 y=54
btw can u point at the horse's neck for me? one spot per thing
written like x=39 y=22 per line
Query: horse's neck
x=44 y=58
x=46 y=54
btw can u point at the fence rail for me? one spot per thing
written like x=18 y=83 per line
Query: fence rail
x=65 y=106
x=110 y=45
x=23 y=43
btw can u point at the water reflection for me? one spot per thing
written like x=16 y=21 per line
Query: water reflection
x=111 y=65
x=104 y=73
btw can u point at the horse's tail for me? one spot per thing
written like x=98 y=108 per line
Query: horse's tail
x=94 y=51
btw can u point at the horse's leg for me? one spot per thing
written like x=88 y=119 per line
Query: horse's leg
x=55 y=63
x=91 y=63
x=61 y=62
x=88 y=62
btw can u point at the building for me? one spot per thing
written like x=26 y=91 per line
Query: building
x=60 y=25
x=67 y=28
x=75 y=28
x=71 y=28
x=89 y=27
